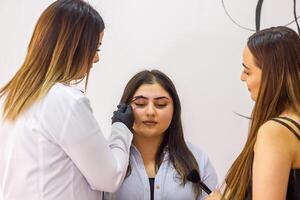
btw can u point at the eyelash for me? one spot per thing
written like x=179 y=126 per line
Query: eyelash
x=245 y=72
x=161 y=105
x=141 y=105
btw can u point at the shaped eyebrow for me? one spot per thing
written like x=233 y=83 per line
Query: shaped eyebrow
x=163 y=97
x=138 y=97
x=143 y=97
x=245 y=66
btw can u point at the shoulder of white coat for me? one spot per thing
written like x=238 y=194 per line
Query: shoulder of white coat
x=64 y=93
x=61 y=98
x=54 y=110
x=207 y=171
x=199 y=154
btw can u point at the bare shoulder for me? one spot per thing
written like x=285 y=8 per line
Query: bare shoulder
x=275 y=136
x=275 y=131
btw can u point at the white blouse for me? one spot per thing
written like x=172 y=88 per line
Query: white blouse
x=56 y=151
x=167 y=183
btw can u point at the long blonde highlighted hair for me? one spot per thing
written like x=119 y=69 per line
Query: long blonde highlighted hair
x=277 y=52
x=61 y=49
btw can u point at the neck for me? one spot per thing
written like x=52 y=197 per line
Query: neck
x=147 y=146
x=290 y=113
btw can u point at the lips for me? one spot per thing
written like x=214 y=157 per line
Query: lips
x=149 y=122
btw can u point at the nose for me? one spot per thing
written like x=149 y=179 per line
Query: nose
x=243 y=77
x=96 y=58
x=150 y=110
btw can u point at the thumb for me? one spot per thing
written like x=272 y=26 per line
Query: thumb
x=122 y=107
x=128 y=109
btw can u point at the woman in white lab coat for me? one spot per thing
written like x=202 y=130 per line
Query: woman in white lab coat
x=54 y=149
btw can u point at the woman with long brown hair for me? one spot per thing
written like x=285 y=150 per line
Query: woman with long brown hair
x=268 y=168
x=162 y=164
x=53 y=148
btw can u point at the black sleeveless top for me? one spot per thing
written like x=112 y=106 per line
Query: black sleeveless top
x=293 y=190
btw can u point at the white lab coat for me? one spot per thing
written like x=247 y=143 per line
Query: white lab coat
x=56 y=151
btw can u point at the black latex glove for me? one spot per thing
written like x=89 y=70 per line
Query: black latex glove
x=124 y=114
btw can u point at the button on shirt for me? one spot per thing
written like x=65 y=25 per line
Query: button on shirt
x=167 y=185
x=56 y=151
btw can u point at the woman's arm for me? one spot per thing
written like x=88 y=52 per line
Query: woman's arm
x=102 y=163
x=272 y=162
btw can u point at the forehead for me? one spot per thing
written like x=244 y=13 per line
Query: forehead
x=101 y=36
x=248 y=58
x=151 y=91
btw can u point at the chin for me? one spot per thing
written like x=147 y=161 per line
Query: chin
x=148 y=134
x=151 y=135
x=253 y=99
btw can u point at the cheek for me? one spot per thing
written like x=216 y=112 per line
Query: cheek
x=252 y=83
x=137 y=112
x=256 y=84
x=165 y=117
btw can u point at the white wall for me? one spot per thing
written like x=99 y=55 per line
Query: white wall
x=193 y=41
